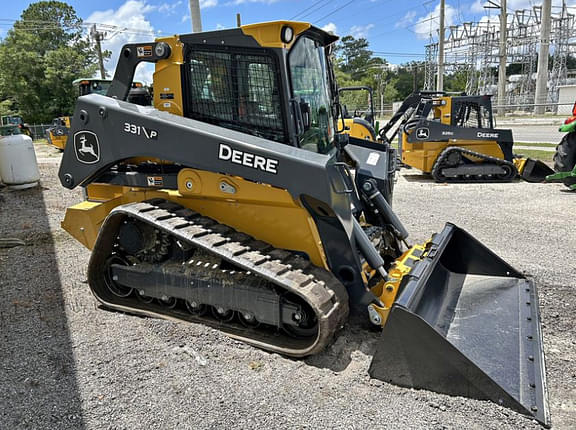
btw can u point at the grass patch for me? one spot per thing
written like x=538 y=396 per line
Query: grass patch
x=546 y=156
x=536 y=144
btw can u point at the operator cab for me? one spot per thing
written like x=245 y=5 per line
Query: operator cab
x=271 y=80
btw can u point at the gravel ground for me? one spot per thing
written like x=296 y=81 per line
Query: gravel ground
x=65 y=363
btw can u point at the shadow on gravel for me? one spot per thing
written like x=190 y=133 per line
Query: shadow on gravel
x=418 y=178
x=358 y=338
x=38 y=386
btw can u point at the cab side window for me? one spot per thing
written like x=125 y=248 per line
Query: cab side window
x=235 y=90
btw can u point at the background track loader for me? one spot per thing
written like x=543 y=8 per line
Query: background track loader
x=57 y=134
x=453 y=138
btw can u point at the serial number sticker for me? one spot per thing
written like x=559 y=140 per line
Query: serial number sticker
x=373 y=158
x=155 y=181
x=144 y=51
x=140 y=130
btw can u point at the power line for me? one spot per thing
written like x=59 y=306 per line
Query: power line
x=335 y=10
x=37 y=25
x=307 y=9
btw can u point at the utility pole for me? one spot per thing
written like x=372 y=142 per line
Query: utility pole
x=503 y=58
x=542 y=74
x=195 y=15
x=440 y=77
x=98 y=36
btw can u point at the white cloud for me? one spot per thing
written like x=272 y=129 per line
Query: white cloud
x=358 y=31
x=407 y=20
x=430 y=23
x=169 y=8
x=130 y=15
x=330 y=28
x=204 y=4
x=478 y=6
x=220 y=27
x=238 y=2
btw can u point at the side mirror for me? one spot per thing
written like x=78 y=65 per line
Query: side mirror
x=345 y=113
x=305 y=109
x=340 y=114
x=301 y=111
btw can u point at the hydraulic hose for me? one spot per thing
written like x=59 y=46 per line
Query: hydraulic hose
x=373 y=194
x=368 y=250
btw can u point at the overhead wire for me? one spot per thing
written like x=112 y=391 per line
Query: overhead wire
x=335 y=10
x=37 y=25
x=298 y=15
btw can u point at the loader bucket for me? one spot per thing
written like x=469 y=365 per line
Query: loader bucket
x=466 y=324
x=535 y=171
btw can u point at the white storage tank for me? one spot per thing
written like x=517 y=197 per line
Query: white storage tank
x=18 y=165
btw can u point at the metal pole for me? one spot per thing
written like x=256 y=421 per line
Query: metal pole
x=542 y=74
x=98 y=36
x=238 y=20
x=195 y=15
x=503 y=58
x=440 y=77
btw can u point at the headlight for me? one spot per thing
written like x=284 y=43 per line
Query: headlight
x=287 y=34
x=162 y=50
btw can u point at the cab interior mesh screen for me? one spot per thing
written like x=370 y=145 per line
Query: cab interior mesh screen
x=471 y=114
x=237 y=91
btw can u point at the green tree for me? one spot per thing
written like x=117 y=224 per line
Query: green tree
x=40 y=57
x=455 y=82
x=355 y=58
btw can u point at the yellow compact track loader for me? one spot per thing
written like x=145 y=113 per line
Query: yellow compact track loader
x=359 y=124
x=57 y=133
x=453 y=138
x=237 y=203
x=13 y=124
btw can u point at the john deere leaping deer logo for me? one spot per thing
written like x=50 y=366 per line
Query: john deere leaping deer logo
x=422 y=133
x=86 y=147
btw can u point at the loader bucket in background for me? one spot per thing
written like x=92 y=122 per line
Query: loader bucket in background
x=466 y=323
x=535 y=171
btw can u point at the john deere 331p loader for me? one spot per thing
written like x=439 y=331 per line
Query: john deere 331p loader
x=237 y=202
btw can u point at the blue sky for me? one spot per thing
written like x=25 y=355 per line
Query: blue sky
x=391 y=26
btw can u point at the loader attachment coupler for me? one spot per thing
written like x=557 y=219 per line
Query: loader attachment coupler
x=467 y=324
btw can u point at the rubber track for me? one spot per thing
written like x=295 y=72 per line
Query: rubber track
x=318 y=287
x=474 y=178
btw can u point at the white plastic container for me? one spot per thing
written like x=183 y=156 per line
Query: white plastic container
x=18 y=165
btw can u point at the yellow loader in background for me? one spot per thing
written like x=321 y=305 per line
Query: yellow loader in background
x=57 y=134
x=453 y=138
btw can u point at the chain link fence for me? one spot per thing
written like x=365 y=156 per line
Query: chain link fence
x=38 y=130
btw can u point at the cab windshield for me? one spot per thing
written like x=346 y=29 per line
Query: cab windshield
x=310 y=86
x=94 y=87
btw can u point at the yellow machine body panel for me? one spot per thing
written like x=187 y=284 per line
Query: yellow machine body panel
x=167 y=79
x=443 y=109
x=356 y=129
x=266 y=213
x=269 y=34
x=423 y=155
